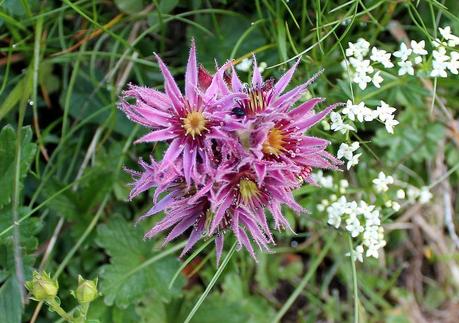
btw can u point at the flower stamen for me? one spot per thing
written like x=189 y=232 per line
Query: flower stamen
x=248 y=190
x=194 y=123
x=274 y=143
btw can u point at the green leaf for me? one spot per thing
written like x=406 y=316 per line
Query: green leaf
x=124 y=281
x=7 y=158
x=10 y=302
x=20 y=90
x=130 y=6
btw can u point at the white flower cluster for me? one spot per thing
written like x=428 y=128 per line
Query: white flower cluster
x=442 y=59
x=360 y=67
x=363 y=70
x=361 y=220
x=360 y=112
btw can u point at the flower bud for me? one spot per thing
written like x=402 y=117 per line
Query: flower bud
x=42 y=286
x=86 y=291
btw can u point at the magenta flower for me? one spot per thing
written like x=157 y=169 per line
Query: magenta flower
x=188 y=121
x=235 y=152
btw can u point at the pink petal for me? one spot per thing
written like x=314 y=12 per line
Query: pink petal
x=236 y=83
x=159 y=135
x=284 y=80
x=170 y=86
x=256 y=77
x=191 y=75
x=309 y=122
x=174 y=150
x=304 y=108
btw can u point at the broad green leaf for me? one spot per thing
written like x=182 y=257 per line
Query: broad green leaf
x=10 y=302
x=122 y=282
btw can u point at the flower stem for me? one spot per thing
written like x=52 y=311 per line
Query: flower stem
x=59 y=310
x=354 y=281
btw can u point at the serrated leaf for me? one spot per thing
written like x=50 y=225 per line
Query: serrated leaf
x=122 y=282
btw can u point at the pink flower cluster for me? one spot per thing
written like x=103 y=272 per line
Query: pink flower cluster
x=235 y=151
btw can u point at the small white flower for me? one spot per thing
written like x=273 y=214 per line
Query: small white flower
x=400 y=194
x=390 y=123
x=418 y=47
x=245 y=65
x=406 y=67
x=372 y=251
x=353 y=161
x=440 y=55
x=403 y=52
x=382 y=182
x=381 y=56
x=326 y=181
x=362 y=66
x=346 y=150
x=384 y=111
x=353 y=110
x=344 y=183
x=424 y=195
x=362 y=80
x=395 y=206
x=338 y=124
x=334 y=220
x=377 y=79
x=453 y=64
x=412 y=193
x=417 y=60
x=358 y=253
x=453 y=40
x=353 y=226
x=439 y=69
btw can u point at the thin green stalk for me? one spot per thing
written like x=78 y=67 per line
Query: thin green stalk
x=83 y=237
x=211 y=284
x=354 y=281
x=188 y=260
x=312 y=269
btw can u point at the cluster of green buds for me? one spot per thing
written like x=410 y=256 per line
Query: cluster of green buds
x=43 y=288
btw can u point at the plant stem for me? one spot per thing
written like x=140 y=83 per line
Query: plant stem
x=304 y=281
x=211 y=284
x=354 y=281
x=59 y=310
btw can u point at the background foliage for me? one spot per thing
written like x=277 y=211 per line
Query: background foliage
x=63 y=146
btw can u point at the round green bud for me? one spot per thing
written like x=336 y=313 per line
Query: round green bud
x=42 y=286
x=86 y=291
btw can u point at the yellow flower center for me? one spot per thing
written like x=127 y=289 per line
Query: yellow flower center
x=248 y=190
x=194 y=123
x=273 y=144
